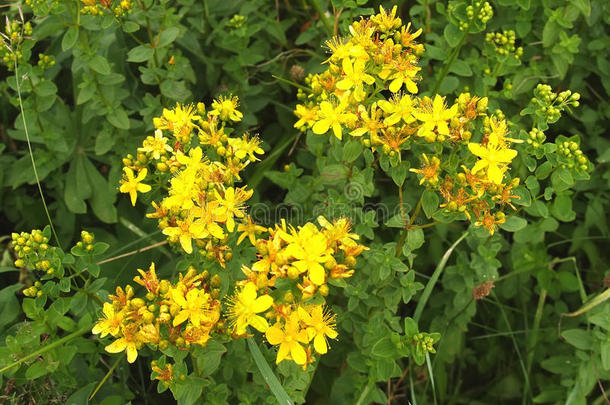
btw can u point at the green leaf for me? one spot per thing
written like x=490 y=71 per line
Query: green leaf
x=104 y=195
x=351 y=150
x=139 y=54
x=73 y=200
x=513 y=224
x=270 y=378
x=69 y=38
x=410 y=327
x=583 y=5
x=562 y=179
x=461 y=68
x=384 y=347
x=81 y=396
x=578 y=338
x=118 y=118
x=543 y=171
x=429 y=202
x=562 y=208
x=130 y=26
x=9 y=305
x=449 y=84
x=46 y=88
x=100 y=65
x=175 y=90
x=189 y=391
x=36 y=370
x=399 y=173
x=168 y=36
x=452 y=35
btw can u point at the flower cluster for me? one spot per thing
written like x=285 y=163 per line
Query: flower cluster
x=182 y=314
x=189 y=312
x=308 y=255
x=369 y=91
x=305 y=258
x=118 y=8
x=193 y=155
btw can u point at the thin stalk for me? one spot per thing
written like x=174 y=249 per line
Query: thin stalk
x=516 y=346
x=447 y=66
x=364 y=393
x=405 y=231
x=27 y=138
x=47 y=348
x=322 y=15
x=421 y=304
x=108 y=374
x=133 y=252
x=533 y=337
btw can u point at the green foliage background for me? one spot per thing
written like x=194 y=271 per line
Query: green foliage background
x=111 y=76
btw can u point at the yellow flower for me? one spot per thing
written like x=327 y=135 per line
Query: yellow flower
x=111 y=322
x=232 y=204
x=332 y=117
x=178 y=120
x=355 y=75
x=156 y=145
x=386 y=21
x=341 y=49
x=339 y=230
x=490 y=221
x=128 y=343
x=207 y=220
x=310 y=252
x=401 y=72
x=148 y=279
x=399 y=108
x=370 y=124
x=249 y=229
x=320 y=324
x=494 y=157
x=246 y=147
x=193 y=306
x=429 y=171
x=163 y=374
x=131 y=184
x=307 y=116
x=186 y=230
x=243 y=308
x=434 y=114
x=226 y=108
x=289 y=339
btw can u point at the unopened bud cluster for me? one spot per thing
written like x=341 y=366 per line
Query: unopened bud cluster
x=478 y=13
x=12 y=40
x=119 y=8
x=504 y=43
x=548 y=105
x=33 y=251
x=571 y=157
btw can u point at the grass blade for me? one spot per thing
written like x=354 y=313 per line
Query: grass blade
x=270 y=378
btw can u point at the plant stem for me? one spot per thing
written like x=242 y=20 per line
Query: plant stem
x=447 y=66
x=108 y=374
x=27 y=138
x=421 y=304
x=322 y=16
x=47 y=348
